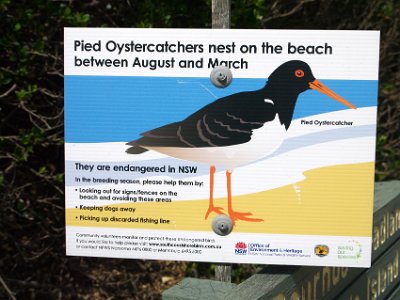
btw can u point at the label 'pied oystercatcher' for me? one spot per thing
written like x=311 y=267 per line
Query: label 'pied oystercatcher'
x=236 y=129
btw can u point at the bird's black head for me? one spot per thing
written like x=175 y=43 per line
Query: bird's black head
x=294 y=76
x=288 y=81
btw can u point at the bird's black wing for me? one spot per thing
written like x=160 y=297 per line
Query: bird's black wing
x=225 y=122
x=166 y=136
x=228 y=121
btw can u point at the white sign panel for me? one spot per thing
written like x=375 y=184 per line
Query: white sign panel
x=154 y=151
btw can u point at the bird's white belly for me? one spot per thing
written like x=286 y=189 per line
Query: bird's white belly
x=264 y=141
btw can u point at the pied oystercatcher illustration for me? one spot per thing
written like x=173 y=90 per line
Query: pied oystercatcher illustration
x=236 y=129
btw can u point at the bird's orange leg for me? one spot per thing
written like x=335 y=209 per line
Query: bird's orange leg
x=211 y=207
x=234 y=214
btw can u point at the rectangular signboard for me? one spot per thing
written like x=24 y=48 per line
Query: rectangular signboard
x=156 y=153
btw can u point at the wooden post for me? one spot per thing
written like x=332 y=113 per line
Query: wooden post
x=221 y=14
x=223 y=272
x=221 y=19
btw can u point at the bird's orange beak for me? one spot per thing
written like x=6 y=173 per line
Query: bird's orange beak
x=320 y=87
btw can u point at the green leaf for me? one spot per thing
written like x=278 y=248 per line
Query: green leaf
x=17 y=27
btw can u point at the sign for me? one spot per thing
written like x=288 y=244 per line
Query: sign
x=155 y=151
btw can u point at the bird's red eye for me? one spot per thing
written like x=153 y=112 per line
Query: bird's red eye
x=299 y=73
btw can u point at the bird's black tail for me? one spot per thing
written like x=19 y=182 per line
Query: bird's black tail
x=135 y=149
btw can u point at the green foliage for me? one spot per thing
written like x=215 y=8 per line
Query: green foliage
x=78 y=19
x=248 y=14
x=23 y=94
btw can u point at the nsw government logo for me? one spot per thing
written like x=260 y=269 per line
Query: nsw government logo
x=241 y=248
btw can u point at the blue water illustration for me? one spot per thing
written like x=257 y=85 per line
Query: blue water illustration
x=102 y=109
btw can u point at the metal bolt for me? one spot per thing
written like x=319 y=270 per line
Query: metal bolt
x=221 y=76
x=222 y=225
